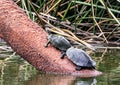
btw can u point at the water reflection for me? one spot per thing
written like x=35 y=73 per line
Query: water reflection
x=18 y=72
x=87 y=81
x=109 y=61
x=47 y=79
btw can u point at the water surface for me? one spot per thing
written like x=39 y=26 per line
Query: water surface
x=16 y=71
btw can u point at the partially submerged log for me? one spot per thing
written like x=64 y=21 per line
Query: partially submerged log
x=28 y=40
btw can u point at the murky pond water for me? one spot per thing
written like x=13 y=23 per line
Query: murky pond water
x=18 y=72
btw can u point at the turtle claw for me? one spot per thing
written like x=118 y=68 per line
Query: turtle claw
x=63 y=55
x=78 y=68
x=46 y=45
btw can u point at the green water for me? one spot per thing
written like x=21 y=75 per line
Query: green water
x=17 y=72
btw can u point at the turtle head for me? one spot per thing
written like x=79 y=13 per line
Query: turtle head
x=47 y=29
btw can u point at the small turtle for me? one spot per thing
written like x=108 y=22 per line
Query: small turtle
x=80 y=58
x=59 y=42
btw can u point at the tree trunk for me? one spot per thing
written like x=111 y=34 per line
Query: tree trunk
x=28 y=40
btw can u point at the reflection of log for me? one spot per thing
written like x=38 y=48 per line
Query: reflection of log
x=43 y=79
x=28 y=40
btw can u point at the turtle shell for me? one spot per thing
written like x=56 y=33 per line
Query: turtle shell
x=80 y=57
x=59 y=42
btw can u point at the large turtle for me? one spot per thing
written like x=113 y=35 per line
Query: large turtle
x=59 y=42
x=80 y=58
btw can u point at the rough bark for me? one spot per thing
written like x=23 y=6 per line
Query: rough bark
x=28 y=40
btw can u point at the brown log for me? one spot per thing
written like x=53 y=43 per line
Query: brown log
x=28 y=39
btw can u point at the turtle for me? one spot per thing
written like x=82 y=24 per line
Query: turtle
x=59 y=42
x=80 y=58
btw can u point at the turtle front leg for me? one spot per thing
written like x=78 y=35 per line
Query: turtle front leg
x=63 y=55
x=78 y=68
x=46 y=45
